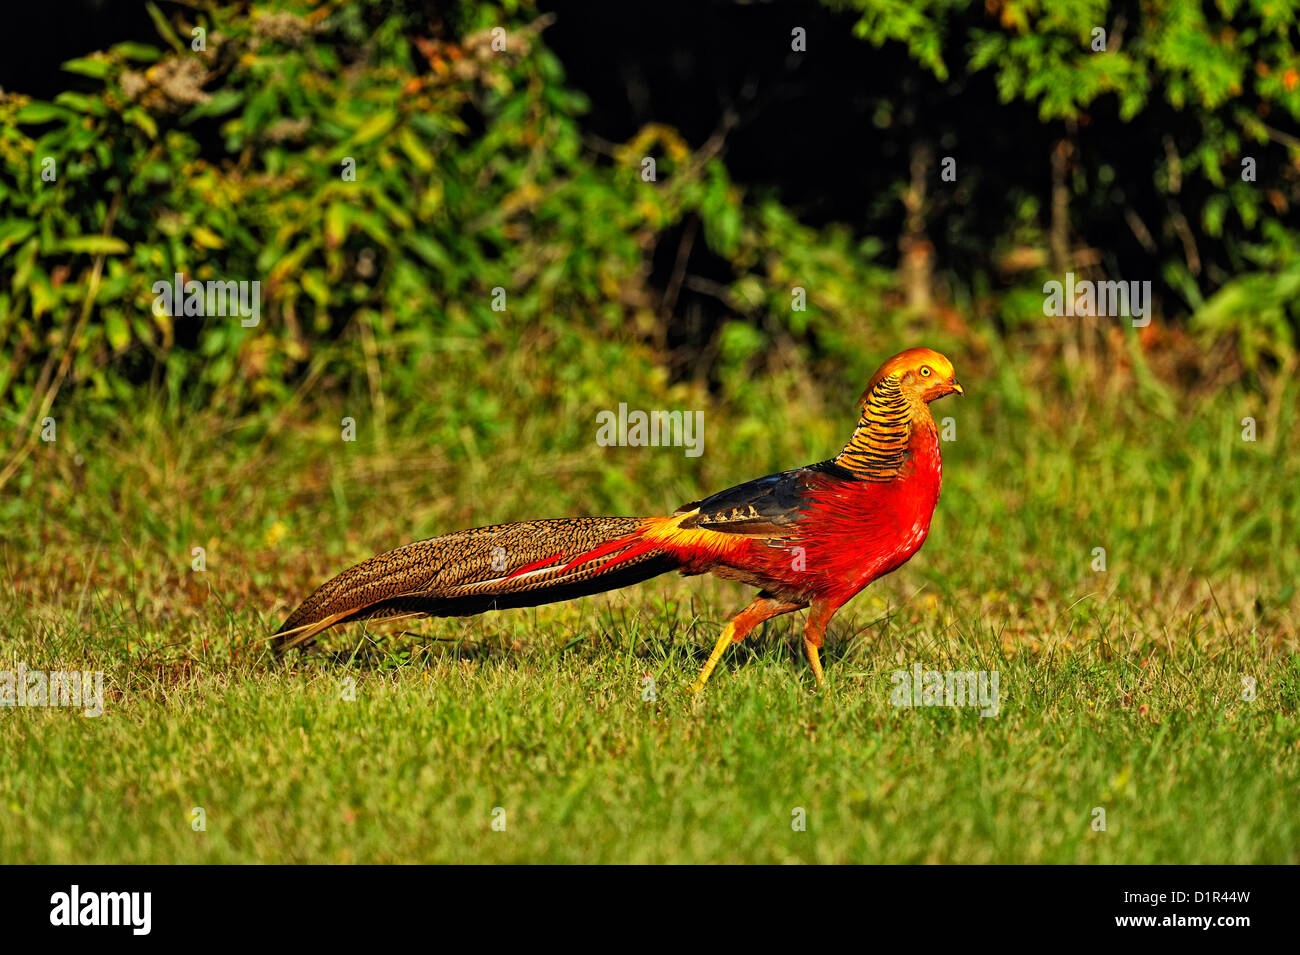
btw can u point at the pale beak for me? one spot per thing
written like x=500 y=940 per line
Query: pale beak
x=956 y=386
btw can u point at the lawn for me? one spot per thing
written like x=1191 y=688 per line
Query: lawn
x=566 y=733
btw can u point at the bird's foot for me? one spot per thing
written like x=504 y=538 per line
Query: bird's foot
x=815 y=661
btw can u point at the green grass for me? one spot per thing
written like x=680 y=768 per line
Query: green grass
x=288 y=770
x=1120 y=690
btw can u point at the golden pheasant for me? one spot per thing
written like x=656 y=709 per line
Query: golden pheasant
x=810 y=537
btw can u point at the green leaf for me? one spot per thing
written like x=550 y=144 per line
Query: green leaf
x=163 y=27
x=206 y=238
x=116 y=330
x=95 y=67
x=415 y=150
x=373 y=226
x=430 y=251
x=82 y=104
x=13 y=231
x=44 y=297
x=375 y=126
x=38 y=112
x=336 y=225
x=221 y=102
x=315 y=286
x=140 y=52
x=94 y=245
x=138 y=117
x=25 y=263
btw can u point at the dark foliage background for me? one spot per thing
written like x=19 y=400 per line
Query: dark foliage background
x=520 y=170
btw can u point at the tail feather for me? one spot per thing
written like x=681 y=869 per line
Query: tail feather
x=489 y=568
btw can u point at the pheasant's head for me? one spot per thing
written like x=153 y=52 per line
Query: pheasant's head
x=921 y=374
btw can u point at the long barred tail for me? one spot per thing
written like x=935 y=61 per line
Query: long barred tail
x=488 y=568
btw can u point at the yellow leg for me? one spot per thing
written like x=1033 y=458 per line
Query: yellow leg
x=724 y=641
x=814 y=633
x=763 y=608
x=814 y=658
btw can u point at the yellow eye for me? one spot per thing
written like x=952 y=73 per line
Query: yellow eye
x=925 y=371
